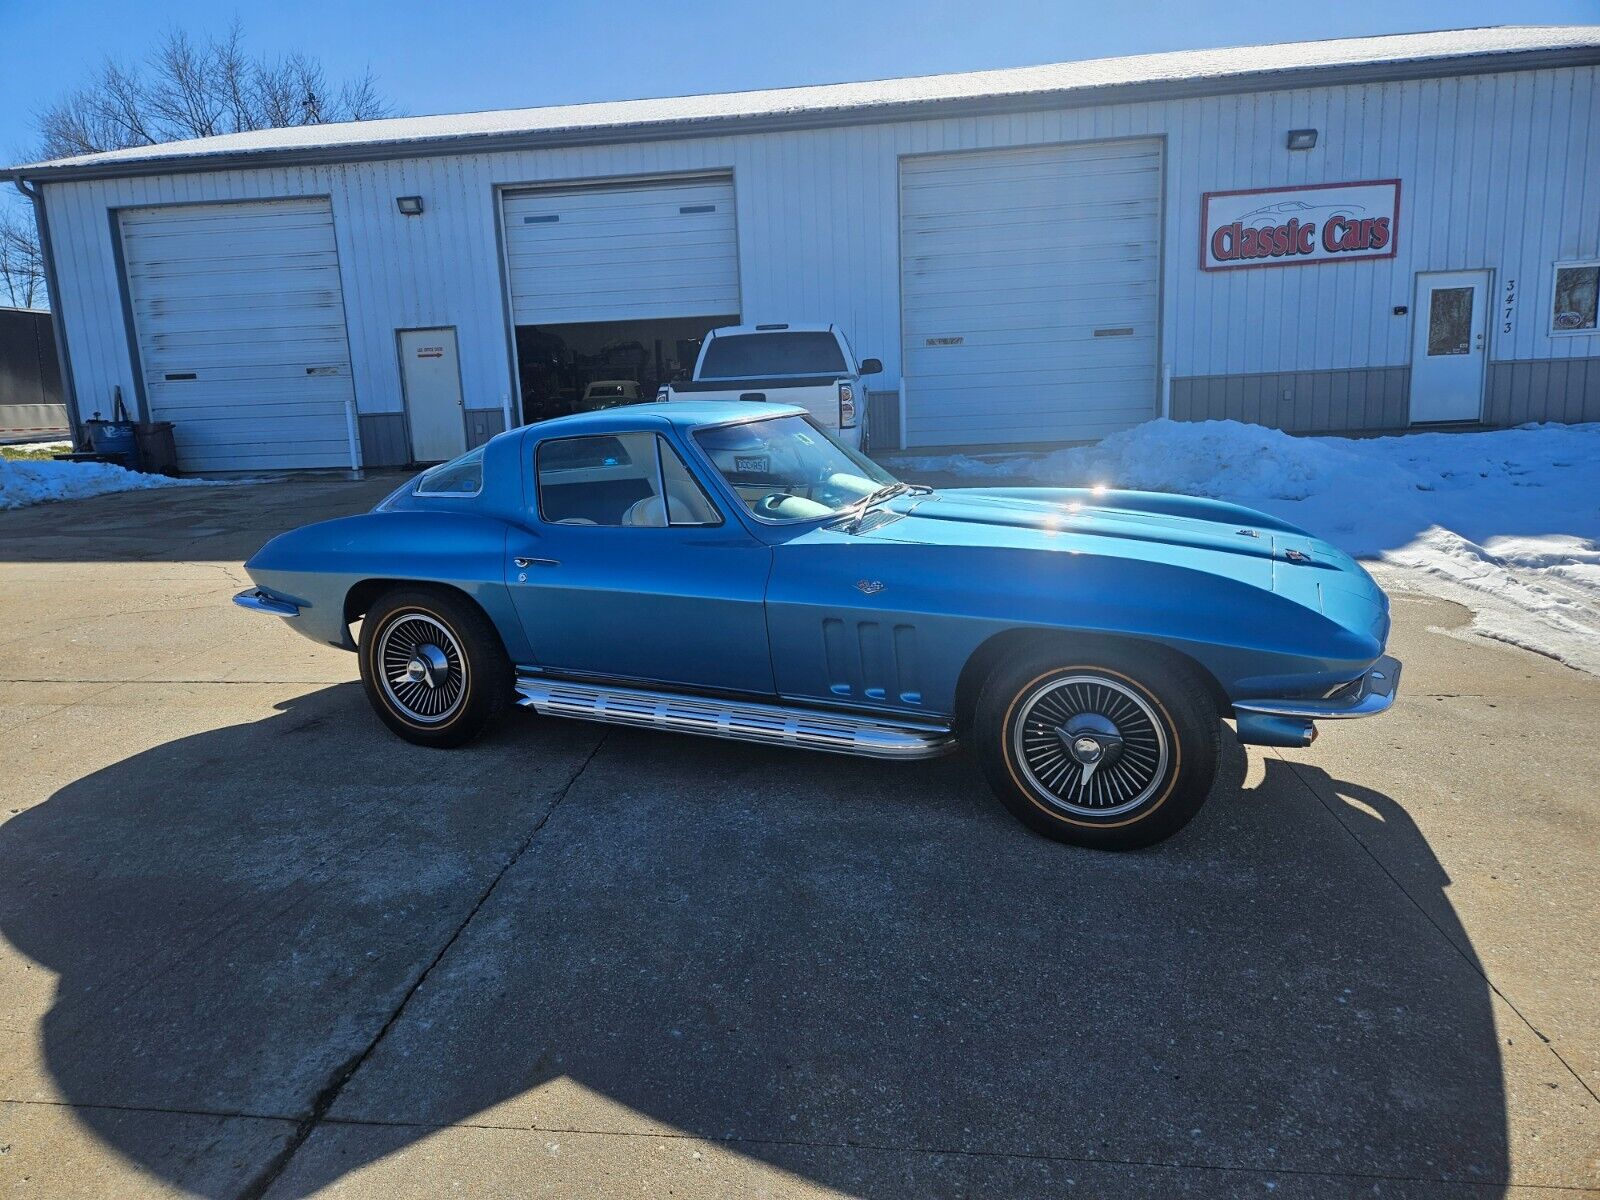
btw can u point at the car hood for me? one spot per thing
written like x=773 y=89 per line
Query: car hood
x=1210 y=536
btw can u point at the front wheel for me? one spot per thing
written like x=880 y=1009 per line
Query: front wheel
x=1113 y=750
x=433 y=666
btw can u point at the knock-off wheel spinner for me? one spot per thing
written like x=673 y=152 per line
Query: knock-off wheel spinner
x=1090 y=744
x=1092 y=741
x=422 y=666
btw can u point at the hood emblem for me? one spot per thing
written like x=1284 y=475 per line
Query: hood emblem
x=869 y=587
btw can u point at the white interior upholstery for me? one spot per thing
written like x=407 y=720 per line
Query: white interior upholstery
x=689 y=506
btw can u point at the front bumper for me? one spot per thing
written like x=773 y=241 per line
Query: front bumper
x=1289 y=722
x=261 y=600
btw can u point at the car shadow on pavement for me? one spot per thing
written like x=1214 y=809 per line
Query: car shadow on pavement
x=864 y=974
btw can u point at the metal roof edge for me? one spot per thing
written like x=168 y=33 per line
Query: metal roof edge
x=1339 y=74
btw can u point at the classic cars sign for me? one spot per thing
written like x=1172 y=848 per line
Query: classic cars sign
x=1294 y=226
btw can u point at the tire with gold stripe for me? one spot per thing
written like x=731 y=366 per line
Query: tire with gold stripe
x=1113 y=749
x=433 y=666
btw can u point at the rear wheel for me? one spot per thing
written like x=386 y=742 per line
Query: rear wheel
x=433 y=666
x=1114 y=750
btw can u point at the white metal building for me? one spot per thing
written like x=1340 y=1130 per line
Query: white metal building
x=1358 y=234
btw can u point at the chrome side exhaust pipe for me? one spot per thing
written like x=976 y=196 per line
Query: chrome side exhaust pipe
x=1264 y=729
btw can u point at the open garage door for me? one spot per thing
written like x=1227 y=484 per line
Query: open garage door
x=613 y=286
x=1030 y=292
x=239 y=316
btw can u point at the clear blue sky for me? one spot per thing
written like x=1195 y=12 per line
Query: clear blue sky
x=503 y=54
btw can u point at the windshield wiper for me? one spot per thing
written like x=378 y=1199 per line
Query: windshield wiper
x=858 y=511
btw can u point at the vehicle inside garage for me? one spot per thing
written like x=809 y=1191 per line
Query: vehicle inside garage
x=616 y=283
x=559 y=365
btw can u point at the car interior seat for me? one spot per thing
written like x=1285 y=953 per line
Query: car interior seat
x=689 y=507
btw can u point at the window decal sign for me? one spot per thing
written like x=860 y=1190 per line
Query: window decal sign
x=1299 y=226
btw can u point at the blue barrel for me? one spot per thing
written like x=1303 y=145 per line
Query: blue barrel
x=114 y=439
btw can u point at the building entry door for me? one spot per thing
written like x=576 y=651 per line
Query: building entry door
x=434 y=409
x=1448 y=347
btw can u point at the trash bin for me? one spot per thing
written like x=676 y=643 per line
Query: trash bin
x=157 y=453
x=115 y=440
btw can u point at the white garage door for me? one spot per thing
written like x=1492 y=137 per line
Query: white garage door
x=640 y=252
x=1030 y=292
x=240 y=321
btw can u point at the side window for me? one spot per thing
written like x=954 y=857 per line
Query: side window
x=459 y=477
x=625 y=479
x=1577 y=298
x=687 y=502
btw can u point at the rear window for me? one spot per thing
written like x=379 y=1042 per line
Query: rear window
x=459 y=477
x=756 y=355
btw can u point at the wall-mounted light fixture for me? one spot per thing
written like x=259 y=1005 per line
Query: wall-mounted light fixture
x=411 y=206
x=1302 y=139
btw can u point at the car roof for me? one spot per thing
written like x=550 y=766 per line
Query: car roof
x=683 y=414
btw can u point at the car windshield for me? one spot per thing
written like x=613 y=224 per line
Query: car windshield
x=789 y=469
x=754 y=355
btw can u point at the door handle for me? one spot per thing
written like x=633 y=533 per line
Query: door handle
x=536 y=562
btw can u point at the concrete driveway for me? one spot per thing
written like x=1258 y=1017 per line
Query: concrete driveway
x=256 y=946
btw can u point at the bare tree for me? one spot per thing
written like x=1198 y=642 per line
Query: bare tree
x=183 y=89
x=21 y=265
x=192 y=89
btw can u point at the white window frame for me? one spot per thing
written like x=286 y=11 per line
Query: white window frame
x=1550 y=304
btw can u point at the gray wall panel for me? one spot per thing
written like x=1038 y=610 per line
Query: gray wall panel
x=1389 y=407
x=1583 y=393
x=883 y=420
x=1501 y=400
x=1319 y=401
x=1560 y=389
x=384 y=442
x=483 y=424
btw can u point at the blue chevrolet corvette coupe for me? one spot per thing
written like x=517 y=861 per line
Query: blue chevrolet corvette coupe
x=732 y=570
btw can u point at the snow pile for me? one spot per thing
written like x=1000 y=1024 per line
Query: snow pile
x=24 y=482
x=1506 y=522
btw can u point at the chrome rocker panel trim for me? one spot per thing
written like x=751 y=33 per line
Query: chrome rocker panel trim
x=737 y=720
x=1375 y=695
x=260 y=600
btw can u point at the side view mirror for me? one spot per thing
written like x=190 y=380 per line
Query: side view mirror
x=871 y=366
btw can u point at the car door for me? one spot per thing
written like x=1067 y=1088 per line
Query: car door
x=631 y=571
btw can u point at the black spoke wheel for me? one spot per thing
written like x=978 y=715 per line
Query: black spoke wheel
x=433 y=666
x=1116 y=750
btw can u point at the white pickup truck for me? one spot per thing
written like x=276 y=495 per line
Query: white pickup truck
x=808 y=365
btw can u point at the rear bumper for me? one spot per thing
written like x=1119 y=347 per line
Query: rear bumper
x=1289 y=722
